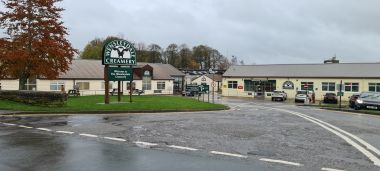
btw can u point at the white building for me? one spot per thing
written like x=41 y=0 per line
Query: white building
x=88 y=75
x=209 y=79
x=260 y=81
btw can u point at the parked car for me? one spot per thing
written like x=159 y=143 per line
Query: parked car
x=189 y=93
x=353 y=99
x=279 y=95
x=368 y=100
x=138 y=92
x=301 y=95
x=330 y=98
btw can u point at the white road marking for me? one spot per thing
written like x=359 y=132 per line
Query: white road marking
x=44 y=129
x=329 y=169
x=281 y=162
x=89 y=135
x=368 y=146
x=183 y=148
x=65 y=132
x=9 y=124
x=372 y=157
x=336 y=130
x=115 y=139
x=145 y=143
x=228 y=154
x=23 y=126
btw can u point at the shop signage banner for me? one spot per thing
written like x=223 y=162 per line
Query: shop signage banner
x=204 y=88
x=288 y=85
x=119 y=52
x=120 y=74
x=192 y=88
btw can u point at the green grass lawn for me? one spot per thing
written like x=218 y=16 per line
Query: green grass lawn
x=94 y=104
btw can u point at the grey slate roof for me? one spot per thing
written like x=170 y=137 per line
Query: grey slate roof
x=93 y=69
x=217 y=77
x=342 y=70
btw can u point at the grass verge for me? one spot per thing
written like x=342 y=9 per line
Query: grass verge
x=94 y=104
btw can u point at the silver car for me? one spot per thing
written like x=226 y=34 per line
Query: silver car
x=301 y=95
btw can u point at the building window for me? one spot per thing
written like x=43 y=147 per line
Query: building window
x=83 y=85
x=56 y=85
x=307 y=86
x=351 y=87
x=147 y=83
x=103 y=85
x=31 y=84
x=374 y=87
x=328 y=86
x=248 y=85
x=160 y=85
x=232 y=84
x=270 y=85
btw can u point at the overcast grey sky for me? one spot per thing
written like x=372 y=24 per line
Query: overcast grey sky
x=257 y=31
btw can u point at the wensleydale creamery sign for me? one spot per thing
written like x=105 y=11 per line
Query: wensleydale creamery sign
x=119 y=52
x=120 y=74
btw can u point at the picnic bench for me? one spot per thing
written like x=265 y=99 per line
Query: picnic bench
x=73 y=93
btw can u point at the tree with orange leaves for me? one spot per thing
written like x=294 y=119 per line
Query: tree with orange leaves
x=35 y=44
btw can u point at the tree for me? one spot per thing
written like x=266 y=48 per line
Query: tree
x=201 y=54
x=155 y=53
x=35 y=44
x=94 y=48
x=142 y=53
x=215 y=58
x=224 y=63
x=185 y=58
x=171 y=54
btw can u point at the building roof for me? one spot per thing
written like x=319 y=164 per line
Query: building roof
x=342 y=70
x=93 y=69
x=217 y=77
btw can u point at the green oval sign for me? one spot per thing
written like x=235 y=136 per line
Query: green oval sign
x=119 y=52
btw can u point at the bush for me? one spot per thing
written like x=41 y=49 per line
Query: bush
x=40 y=98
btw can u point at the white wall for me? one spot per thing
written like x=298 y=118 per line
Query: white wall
x=9 y=84
x=96 y=86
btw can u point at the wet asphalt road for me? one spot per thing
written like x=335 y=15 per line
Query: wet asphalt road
x=256 y=130
x=31 y=150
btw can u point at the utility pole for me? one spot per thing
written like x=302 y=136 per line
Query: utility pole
x=106 y=86
x=340 y=94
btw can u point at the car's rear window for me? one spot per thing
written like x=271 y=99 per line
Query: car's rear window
x=301 y=92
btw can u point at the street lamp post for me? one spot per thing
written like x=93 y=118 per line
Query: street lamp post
x=213 y=84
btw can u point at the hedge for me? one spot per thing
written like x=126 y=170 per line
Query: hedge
x=40 y=98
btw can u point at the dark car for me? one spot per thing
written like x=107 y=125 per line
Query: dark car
x=368 y=100
x=189 y=93
x=330 y=98
x=352 y=100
